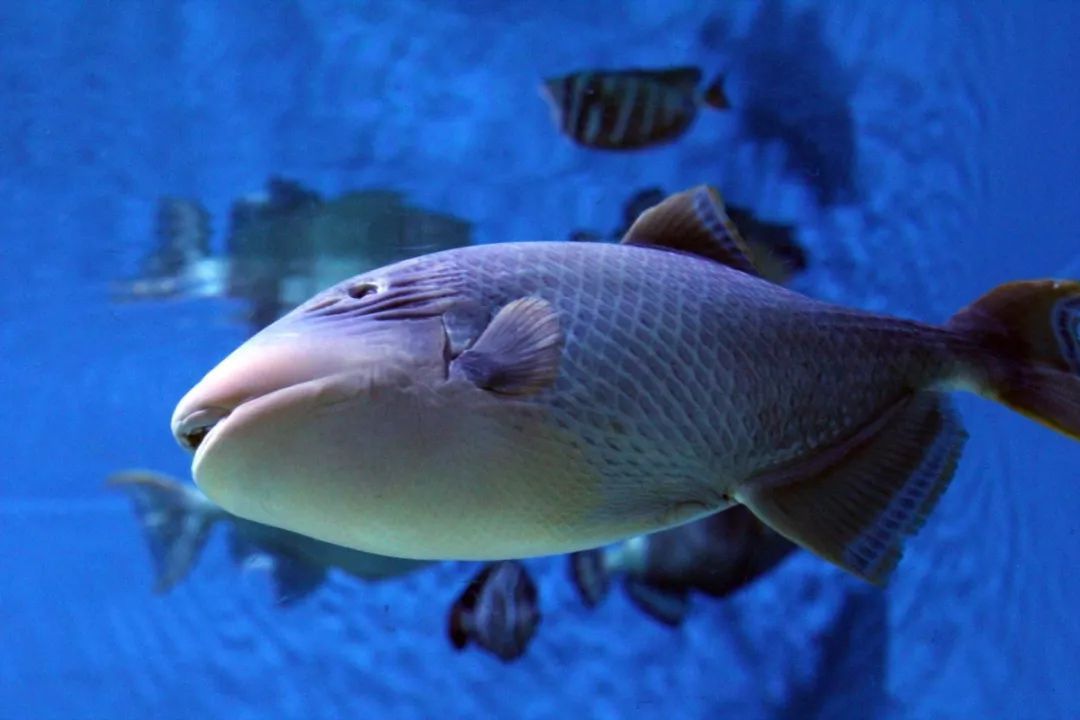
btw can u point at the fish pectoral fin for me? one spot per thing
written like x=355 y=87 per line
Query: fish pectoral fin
x=667 y=606
x=519 y=351
x=693 y=221
x=854 y=503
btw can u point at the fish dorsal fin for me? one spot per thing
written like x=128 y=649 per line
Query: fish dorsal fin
x=519 y=351
x=687 y=76
x=693 y=221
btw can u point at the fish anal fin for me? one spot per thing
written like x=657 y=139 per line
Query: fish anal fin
x=519 y=351
x=693 y=221
x=667 y=606
x=854 y=503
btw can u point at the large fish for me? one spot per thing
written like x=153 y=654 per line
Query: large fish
x=520 y=399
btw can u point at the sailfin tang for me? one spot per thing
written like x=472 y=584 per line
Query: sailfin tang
x=518 y=353
x=175 y=519
x=693 y=221
x=855 y=503
x=667 y=606
x=1027 y=340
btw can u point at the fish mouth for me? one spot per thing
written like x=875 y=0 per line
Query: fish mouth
x=191 y=430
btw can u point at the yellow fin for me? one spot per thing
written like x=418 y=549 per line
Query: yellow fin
x=693 y=221
x=1027 y=336
x=853 y=504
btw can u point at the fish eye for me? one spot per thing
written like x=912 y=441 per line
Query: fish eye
x=361 y=290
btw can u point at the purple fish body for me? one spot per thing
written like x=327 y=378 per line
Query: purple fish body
x=523 y=399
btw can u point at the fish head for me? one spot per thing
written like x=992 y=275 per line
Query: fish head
x=325 y=406
x=399 y=415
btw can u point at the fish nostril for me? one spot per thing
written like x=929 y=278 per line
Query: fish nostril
x=362 y=290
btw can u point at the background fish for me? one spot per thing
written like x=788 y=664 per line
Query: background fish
x=176 y=520
x=715 y=556
x=180 y=264
x=284 y=243
x=498 y=611
x=629 y=109
x=522 y=399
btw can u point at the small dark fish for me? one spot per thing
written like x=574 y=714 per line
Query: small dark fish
x=716 y=556
x=629 y=109
x=498 y=611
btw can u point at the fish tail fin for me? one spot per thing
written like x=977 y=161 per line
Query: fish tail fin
x=176 y=520
x=590 y=576
x=1021 y=342
x=855 y=503
x=715 y=96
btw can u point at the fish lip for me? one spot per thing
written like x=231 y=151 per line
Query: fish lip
x=192 y=430
x=314 y=392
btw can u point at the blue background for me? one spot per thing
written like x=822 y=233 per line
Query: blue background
x=926 y=150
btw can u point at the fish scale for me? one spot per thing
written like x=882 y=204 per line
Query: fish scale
x=712 y=385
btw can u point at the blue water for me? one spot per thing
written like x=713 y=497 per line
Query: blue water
x=925 y=150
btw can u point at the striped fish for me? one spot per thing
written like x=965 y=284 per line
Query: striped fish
x=498 y=611
x=629 y=109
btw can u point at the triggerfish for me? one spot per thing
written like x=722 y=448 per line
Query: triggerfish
x=520 y=399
